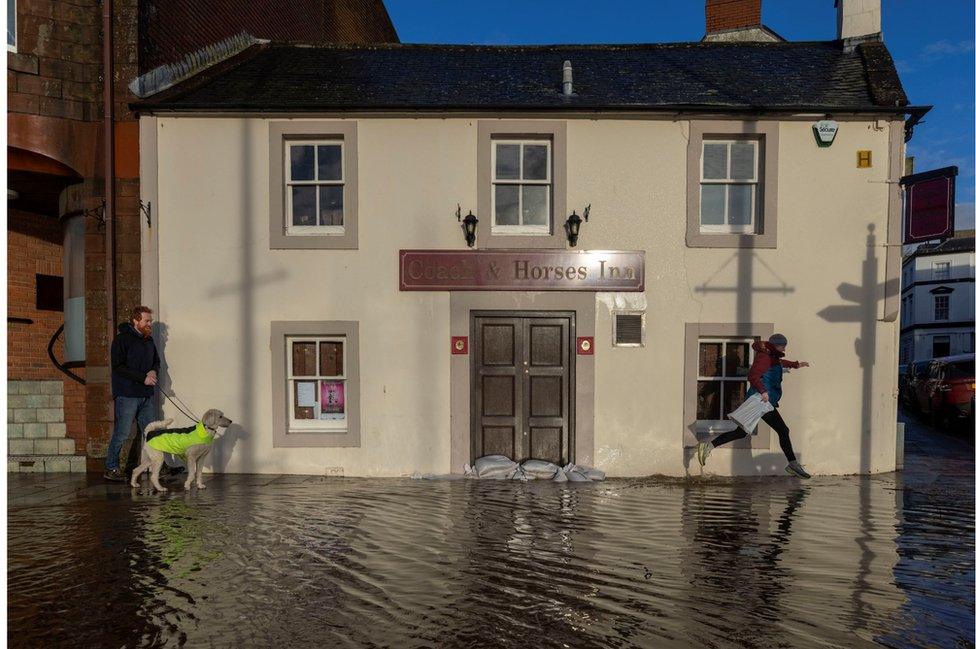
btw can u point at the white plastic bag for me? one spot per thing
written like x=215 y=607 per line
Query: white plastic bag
x=750 y=412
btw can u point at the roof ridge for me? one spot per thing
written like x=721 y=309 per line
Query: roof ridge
x=543 y=46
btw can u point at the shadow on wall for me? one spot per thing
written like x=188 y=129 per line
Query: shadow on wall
x=862 y=307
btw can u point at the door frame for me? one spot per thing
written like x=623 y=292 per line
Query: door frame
x=462 y=303
x=571 y=354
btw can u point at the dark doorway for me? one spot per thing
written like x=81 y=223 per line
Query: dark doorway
x=523 y=385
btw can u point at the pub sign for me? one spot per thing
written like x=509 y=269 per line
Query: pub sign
x=930 y=205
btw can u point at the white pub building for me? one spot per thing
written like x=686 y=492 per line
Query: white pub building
x=379 y=260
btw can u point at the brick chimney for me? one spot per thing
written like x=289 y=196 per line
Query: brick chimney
x=736 y=20
x=858 y=20
x=725 y=15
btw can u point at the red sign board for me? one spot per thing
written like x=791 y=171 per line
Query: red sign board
x=459 y=345
x=930 y=201
x=521 y=270
x=584 y=345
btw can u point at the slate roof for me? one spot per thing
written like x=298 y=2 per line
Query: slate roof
x=963 y=241
x=280 y=77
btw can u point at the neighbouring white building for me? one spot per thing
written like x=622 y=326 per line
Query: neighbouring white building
x=310 y=269
x=937 y=299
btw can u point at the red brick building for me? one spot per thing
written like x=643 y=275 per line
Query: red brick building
x=73 y=239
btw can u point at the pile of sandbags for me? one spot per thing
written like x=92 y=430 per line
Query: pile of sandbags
x=499 y=467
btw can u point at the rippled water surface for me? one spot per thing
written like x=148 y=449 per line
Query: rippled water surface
x=285 y=561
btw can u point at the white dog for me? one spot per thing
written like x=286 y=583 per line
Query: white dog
x=191 y=443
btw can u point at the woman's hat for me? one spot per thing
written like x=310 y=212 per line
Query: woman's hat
x=778 y=339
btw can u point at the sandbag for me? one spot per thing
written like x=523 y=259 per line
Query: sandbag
x=580 y=473
x=498 y=467
x=560 y=475
x=576 y=476
x=539 y=469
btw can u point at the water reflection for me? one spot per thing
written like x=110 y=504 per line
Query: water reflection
x=293 y=561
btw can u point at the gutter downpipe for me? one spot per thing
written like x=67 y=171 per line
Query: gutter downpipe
x=108 y=70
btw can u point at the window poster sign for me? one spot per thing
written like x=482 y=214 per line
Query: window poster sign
x=930 y=202
x=522 y=270
x=306 y=394
x=333 y=404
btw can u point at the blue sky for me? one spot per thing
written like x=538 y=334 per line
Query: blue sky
x=932 y=43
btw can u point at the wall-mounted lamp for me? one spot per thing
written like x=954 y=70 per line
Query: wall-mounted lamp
x=469 y=225
x=573 y=225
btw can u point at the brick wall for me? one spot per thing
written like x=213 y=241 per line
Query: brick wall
x=34 y=245
x=731 y=14
x=169 y=29
x=56 y=69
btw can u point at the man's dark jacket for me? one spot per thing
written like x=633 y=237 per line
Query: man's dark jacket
x=132 y=357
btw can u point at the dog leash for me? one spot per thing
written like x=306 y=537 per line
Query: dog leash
x=171 y=398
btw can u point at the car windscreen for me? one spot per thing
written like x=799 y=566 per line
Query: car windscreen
x=960 y=370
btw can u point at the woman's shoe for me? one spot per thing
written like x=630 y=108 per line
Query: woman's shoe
x=704 y=450
x=797 y=469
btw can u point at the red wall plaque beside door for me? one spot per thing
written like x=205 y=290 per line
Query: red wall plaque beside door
x=459 y=344
x=584 y=345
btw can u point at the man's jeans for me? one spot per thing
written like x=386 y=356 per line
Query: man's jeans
x=142 y=410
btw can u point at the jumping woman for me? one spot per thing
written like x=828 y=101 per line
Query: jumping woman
x=766 y=380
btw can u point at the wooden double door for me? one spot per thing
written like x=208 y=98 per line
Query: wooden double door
x=523 y=385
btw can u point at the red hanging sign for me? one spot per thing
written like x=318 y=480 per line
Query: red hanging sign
x=930 y=205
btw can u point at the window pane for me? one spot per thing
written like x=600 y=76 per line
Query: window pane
x=535 y=208
x=740 y=204
x=304 y=399
x=330 y=358
x=736 y=359
x=303 y=205
x=330 y=162
x=743 y=159
x=507 y=161
x=714 y=165
x=333 y=403
x=11 y=22
x=710 y=359
x=708 y=400
x=735 y=394
x=506 y=204
x=302 y=162
x=536 y=164
x=330 y=205
x=303 y=359
x=713 y=204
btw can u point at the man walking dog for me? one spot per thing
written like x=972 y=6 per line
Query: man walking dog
x=135 y=367
x=766 y=380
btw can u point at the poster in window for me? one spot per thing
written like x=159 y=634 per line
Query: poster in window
x=333 y=400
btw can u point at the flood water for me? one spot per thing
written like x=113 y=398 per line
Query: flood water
x=287 y=561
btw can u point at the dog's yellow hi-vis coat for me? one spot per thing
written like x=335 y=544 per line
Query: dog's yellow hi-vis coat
x=177 y=440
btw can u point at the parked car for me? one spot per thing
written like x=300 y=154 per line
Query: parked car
x=916 y=375
x=902 y=382
x=946 y=394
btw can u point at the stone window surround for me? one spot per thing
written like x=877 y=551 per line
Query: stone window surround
x=279 y=133
x=767 y=132
x=280 y=330
x=694 y=331
x=555 y=131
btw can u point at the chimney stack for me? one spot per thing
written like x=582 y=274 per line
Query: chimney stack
x=858 y=21
x=736 y=20
x=725 y=15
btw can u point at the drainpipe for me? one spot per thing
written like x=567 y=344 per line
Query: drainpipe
x=108 y=70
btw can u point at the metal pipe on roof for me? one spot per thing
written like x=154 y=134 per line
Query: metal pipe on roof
x=567 y=78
